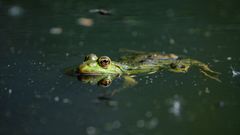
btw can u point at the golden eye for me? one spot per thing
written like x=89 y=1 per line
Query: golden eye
x=104 y=61
x=91 y=57
x=105 y=82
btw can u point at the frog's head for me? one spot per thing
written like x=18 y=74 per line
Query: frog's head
x=93 y=65
x=179 y=67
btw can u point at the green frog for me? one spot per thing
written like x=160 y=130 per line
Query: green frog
x=102 y=70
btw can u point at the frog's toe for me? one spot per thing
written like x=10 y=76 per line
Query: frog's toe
x=214 y=76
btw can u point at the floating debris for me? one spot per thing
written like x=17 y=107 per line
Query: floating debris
x=87 y=22
x=101 y=11
x=234 y=72
x=56 y=30
x=15 y=11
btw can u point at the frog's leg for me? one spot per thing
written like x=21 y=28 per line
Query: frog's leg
x=129 y=81
x=206 y=70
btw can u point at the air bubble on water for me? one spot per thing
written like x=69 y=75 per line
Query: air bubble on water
x=81 y=43
x=56 y=30
x=108 y=127
x=216 y=60
x=170 y=13
x=10 y=91
x=37 y=96
x=12 y=50
x=56 y=99
x=128 y=104
x=207 y=91
x=200 y=93
x=91 y=130
x=175 y=106
x=113 y=103
x=15 y=11
x=153 y=123
x=221 y=104
x=229 y=58
x=148 y=114
x=207 y=34
x=134 y=34
x=171 y=41
x=175 y=109
x=185 y=51
x=140 y=123
x=87 y=22
x=66 y=101
x=67 y=54
x=116 y=124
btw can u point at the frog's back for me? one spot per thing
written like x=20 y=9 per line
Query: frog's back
x=147 y=58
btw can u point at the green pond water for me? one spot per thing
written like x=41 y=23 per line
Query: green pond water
x=38 y=39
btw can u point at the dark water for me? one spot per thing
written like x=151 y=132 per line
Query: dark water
x=40 y=38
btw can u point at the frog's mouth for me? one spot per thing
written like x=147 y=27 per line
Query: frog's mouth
x=87 y=73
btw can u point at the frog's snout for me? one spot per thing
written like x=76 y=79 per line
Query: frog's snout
x=83 y=69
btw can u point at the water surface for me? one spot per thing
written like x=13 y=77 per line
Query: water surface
x=40 y=38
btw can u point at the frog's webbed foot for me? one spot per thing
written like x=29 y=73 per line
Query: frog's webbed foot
x=208 y=72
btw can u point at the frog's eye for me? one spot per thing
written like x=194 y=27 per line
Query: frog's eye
x=105 y=82
x=91 y=57
x=104 y=61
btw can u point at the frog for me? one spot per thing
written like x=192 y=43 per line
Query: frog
x=102 y=70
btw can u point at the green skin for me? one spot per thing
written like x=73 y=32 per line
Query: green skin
x=140 y=63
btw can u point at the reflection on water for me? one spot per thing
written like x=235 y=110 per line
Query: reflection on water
x=39 y=39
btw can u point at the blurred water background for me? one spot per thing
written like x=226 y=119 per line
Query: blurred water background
x=38 y=39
